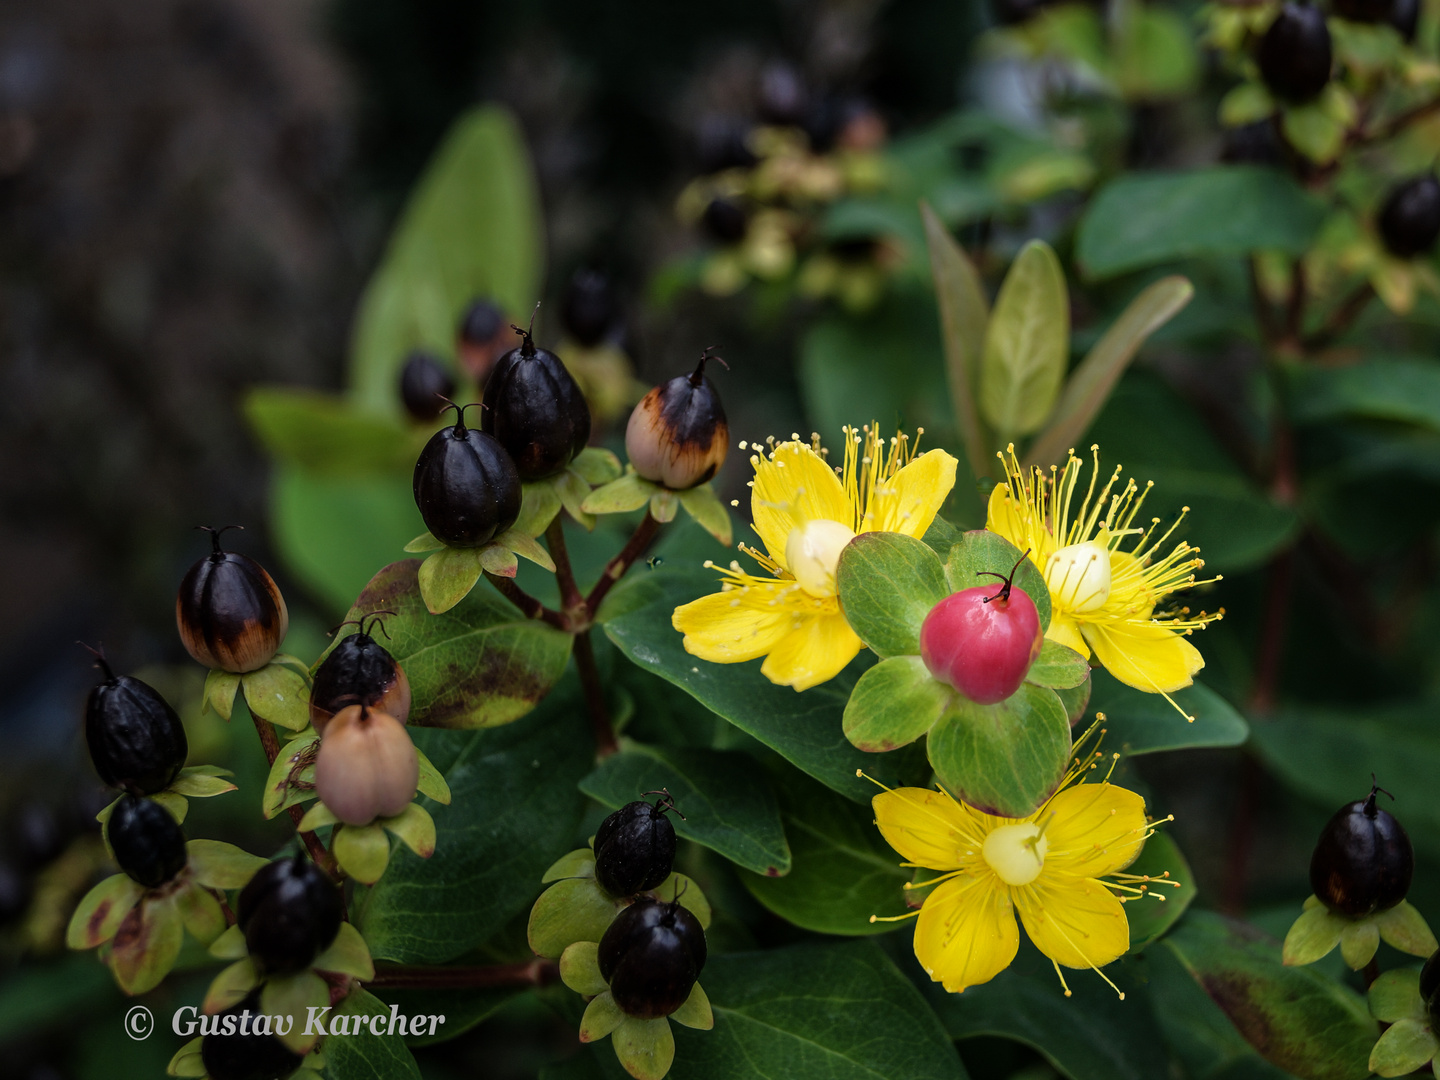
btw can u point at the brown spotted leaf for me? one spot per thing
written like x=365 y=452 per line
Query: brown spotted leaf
x=146 y=944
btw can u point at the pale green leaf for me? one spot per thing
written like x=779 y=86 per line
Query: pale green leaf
x=1027 y=344
x=964 y=314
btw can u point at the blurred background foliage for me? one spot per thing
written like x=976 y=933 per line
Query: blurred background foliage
x=195 y=198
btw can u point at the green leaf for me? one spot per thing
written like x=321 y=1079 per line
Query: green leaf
x=1003 y=758
x=620 y=496
x=804 y=728
x=1146 y=218
x=326 y=434
x=515 y=811
x=1027 y=344
x=1141 y=723
x=361 y=1053
x=1092 y=382
x=888 y=583
x=1312 y=131
x=480 y=664
x=894 y=703
x=219 y=865
x=1058 y=667
x=726 y=800
x=964 y=314
x=1152 y=915
x=982 y=554
x=1405 y=391
x=1245 y=104
x=841 y=1011
x=702 y=504
x=1295 y=1017
x=1155 y=53
x=471 y=228
x=842 y=871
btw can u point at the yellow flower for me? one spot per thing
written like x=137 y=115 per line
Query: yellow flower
x=1059 y=868
x=805 y=515
x=1102 y=598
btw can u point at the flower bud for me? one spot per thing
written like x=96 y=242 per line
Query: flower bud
x=359 y=671
x=230 y=614
x=146 y=840
x=635 y=847
x=678 y=435
x=290 y=913
x=536 y=411
x=424 y=386
x=651 y=955
x=248 y=1056
x=1410 y=217
x=478 y=338
x=588 y=308
x=367 y=767
x=466 y=486
x=1295 y=53
x=1363 y=861
x=136 y=741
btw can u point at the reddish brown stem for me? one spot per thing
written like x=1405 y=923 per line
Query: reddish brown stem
x=571 y=602
x=1341 y=318
x=1273 y=631
x=1295 y=307
x=1371 y=973
x=1242 y=838
x=615 y=569
x=1396 y=124
x=530 y=607
x=537 y=972
x=271 y=742
x=605 y=743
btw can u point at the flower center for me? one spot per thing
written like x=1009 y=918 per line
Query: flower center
x=1078 y=576
x=1016 y=852
x=812 y=552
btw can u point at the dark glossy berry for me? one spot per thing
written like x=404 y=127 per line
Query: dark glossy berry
x=480 y=337
x=359 y=671
x=1253 y=144
x=290 y=913
x=137 y=742
x=1410 y=217
x=536 y=411
x=424 y=386
x=1368 y=11
x=233 y=1056
x=783 y=98
x=635 y=847
x=146 y=840
x=229 y=611
x=466 y=486
x=1295 y=53
x=723 y=142
x=725 y=220
x=651 y=956
x=1405 y=17
x=678 y=435
x=589 y=308
x=1363 y=861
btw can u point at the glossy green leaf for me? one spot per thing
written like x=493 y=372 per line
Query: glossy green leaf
x=361 y=1052
x=515 y=810
x=1405 y=391
x=1147 y=218
x=727 y=801
x=1140 y=723
x=893 y=704
x=1297 y=1018
x=471 y=228
x=841 y=872
x=1003 y=758
x=327 y=435
x=480 y=664
x=1153 y=914
x=805 y=728
x=981 y=554
x=964 y=314
x=1027 y=344
x=888 y=584
x=839 y=1011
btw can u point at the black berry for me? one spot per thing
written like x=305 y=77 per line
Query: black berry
x=359 y=671
x=233 y=1056
x=535 y=410
x=651 y=956
x=725 y=220
x=678 y=435
x=589 y=308
x=1430 y=989
x=1363 y=861
x=722 y=142
x=635 y=847
x=1368 y=11
x=1295 y=53
x=1410 y=216
x=229 y=611
x=1405 y=17
x=290 y=913
x=425 y=386
x=1015 y=12
x=136 y=740
x=146 y=840
x=478 y=338
x=466 y=486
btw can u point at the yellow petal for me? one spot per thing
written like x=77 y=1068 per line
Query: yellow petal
x=1095 y=830
x=966 y=932
x=793 y=487
x=908 y=502
x=1066 y=631
x=815 y=649
x=927 y=827
x=1003 y=519
x=1074 y=921
x=1144 y=655
x=735 y=625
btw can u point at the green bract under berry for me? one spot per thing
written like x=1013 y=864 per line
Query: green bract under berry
x=290 y=912
x=147 y=841
x=651 y=956
x=678 y=435
x=236 y=1052
x=535 y=410
x=137 y=742
x=425 y=386
x=359 y=671
x=229 y=611
x=1295 y=53
x=466 y=486
x=635 y=847
x=1363 y=861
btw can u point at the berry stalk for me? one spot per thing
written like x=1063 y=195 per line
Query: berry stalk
x=271 y=743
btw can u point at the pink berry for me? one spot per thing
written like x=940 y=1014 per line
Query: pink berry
x=982 y=643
